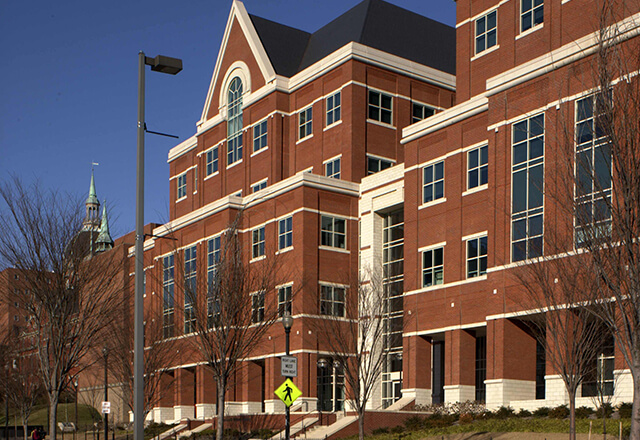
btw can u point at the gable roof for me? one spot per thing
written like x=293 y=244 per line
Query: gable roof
x=373 y=23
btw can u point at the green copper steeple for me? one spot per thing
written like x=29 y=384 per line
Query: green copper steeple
x=92 y=208
x=104 y=241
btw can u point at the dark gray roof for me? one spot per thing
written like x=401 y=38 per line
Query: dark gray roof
x=373 y=23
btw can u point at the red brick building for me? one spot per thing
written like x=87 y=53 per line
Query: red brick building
x=341 y=144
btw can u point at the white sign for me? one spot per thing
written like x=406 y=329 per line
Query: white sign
x=106 y=407
x=289 y=366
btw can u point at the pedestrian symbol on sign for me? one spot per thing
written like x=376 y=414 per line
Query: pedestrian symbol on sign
x=288 y=392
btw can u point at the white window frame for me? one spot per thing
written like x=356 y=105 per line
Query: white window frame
x=432 y=185
x=259 y=185
x=285 y=302
x=181 y=186
x=331 y=234
x=485 y=33
x=285 y=234
x=258 y=242
x=479 y=258
x=424 y=108
x=330 y=306
x=212 y=163
x=257 y=307
x=478 y=168
x=531 y=11
x=434 y=269
x=382 y=110
x=330 y=167
x=334 y=111
x=259 y=136
x=305 y=123
x=379 y=160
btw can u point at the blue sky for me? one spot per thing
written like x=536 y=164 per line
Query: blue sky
x=68 y=86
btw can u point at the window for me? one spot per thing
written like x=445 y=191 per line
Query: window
x=600 y=380
x=432 y=267
x=527 y=188
x=189 y=289
x=332 y=300
x=258 y=186
x=182 y=186
x=305 y=123
x=257 y=242
x=380 y=107
x=593 y=170
x=284 y=300
x=420 y=112
x=477 y=167
x=481 y=368
x=195 y=180
x=285 y=233
x=333 y=108
x=532 y=14
x=332 y=168
x=234 y=121
x=333 y=232
x=433 y=182
x=260 y=136
x=213 y=304
x=476 y=257
x=257 y=307
x=212 y=161
x=167 y=296
x=375 y=164
x=486 y=31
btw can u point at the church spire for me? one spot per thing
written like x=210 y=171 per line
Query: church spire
x=92 y=208
x=104 y=242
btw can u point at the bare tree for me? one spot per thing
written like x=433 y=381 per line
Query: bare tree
x=69 y=293
x=226 y=312
x=159 y=356
x=354 y=337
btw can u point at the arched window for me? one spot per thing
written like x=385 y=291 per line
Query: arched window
x=234 y=121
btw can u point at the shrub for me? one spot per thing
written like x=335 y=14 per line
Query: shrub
x=465 y=419
x=414 y=423
x=608 y=410
x=543 y=411
x=524 y=413
x=397 y=429
x=583 y=412
x=624 y=409
x=503 y=412
x=383 y=430
x=559 y=412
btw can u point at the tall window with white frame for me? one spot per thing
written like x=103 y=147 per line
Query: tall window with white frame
x=476 y=257
x=527 y=188
x=531 y=14
x=213 y=303
x=332 y=168
x=285 y=233
x=284 y=300
x=593 y=170
x=380 y=107
x=432 y=267
x=257 y=242
x=486 y=31
x=332 y=300
x=168 y=296
x=376 y=164
x=190 y=289
x=257 y=307
x=333 y=108
x=420 y=112
x=433 y=182
x=393 y=284
x=234 y=121
x=333 y=232
x=477 y=167
x=212 y=161
x=182 y=186
x=260 y=136
x=305 y=123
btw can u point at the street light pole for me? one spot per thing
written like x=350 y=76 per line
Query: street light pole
x=171 y=66
x=287 y=322
x=75 y=385
x=105 y=352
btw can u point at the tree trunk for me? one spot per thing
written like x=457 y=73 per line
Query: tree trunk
x=54 y=397
x=635 y=409
x=572 y=414
x=220 y=408
x=361 y=412
x=24 y=429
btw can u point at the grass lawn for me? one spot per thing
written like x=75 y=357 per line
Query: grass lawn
x=66 y=413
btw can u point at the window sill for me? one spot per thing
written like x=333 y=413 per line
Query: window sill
x=215 y=173
x=432 y=203
x=485 y=52
x=255 y=153
x=328 y=127
x=260 y=258
x=381 y=124
x=530 y=31
x=237 y=162
x=304 y=139
x=334 y=249
x=475 y=190
x=181 y=199
x=284 y=250
x=478 y=278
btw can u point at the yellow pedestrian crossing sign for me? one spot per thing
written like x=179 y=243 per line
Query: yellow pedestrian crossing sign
x=288 y=392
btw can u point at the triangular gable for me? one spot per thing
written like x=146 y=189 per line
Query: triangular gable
x=239 y=14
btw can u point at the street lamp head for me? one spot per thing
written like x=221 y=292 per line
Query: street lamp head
x=105 y=351
x=164 y=64
x=287 y=320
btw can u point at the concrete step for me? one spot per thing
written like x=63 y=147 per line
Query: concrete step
x=173 y=431
x=195 y=430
